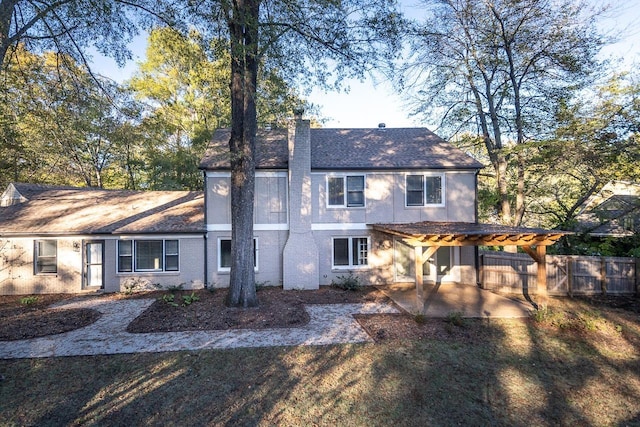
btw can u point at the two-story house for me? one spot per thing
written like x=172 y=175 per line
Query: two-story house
x=320 y=193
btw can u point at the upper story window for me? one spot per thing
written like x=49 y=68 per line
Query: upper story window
x=424 y=190
x=46 y=257
x=345 y=191
x=350 y=252
x=148 y=255
x=224 y=254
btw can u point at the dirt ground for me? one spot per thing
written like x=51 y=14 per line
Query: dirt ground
x=22 y=318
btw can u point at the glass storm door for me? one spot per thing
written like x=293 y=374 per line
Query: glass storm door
x=441 y=266
x=93 y=270
x=403 y=262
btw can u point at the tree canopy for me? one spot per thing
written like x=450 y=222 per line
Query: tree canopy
x=500 y=69
x=71 y=27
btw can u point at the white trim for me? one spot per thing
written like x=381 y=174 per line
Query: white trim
x=210 y=174
x=271 y=227
x=37 y=256
x=256 y=227
x=345 y=190
x=259 y=174
x=394 y=171
x=135 y=270
x=106 y=237
x=339 y=226
x=228 y=269
x=152 y=237
x=350 y=249
x=218 y=227
x=272 y=174
x=443 y=187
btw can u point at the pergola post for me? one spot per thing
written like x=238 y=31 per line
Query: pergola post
x=541 y=252
x=418 y=260
x=539 y=255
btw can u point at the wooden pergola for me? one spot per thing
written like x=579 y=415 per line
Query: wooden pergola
x=434 y=235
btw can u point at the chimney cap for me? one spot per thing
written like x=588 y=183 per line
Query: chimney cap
x=298 y=112
x=381 y=125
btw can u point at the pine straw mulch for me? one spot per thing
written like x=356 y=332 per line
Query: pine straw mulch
x=24 y=317
x=179 y=311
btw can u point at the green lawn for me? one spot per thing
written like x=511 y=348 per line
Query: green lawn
x=578 y=370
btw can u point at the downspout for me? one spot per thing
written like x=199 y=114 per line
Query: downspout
x=206 y=235
x=475 y=247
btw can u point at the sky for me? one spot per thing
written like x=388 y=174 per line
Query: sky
x=373 y=101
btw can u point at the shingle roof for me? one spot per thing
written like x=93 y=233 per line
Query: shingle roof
x=350 y=149
x=90 y=211
x=272 y=150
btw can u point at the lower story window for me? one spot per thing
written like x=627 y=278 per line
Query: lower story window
x=46 y=257
x=148 y=255
x=350 y=252
x=224 y=254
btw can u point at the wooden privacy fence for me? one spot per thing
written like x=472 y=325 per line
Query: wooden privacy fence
x=566 y=274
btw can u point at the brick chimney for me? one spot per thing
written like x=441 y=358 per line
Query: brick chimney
x=300 y=258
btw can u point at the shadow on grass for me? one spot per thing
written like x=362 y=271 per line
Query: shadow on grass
x=497 y=372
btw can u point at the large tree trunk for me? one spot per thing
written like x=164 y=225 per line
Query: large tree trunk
x=244 y=70
x=6 y=13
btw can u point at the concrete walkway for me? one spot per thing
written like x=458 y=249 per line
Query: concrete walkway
x=329 y=324
x=442 y=299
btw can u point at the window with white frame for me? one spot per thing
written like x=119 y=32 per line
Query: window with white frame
x=350 y=252
x=424 y=190
x=148 y=255
x=46 y=257
x=345 y=191
x=224 y=254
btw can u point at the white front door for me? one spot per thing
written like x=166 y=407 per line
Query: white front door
x=93 y=270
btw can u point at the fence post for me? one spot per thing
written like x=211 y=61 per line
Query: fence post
x=481 y=278
x=603 y=275
x=570 y=276
x=637 y=276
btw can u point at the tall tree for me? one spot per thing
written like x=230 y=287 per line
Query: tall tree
x=500 y=68
x=308 y=41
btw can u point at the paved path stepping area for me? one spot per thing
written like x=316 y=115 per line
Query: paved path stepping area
x=329 y=324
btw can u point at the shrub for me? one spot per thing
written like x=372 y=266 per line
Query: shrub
x=420 y=319
x=347 y=283
x=189 y=299
x=169 y=299
x=28 y=300
x=455 y=318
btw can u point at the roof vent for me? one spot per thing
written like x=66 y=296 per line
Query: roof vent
x=381 y=126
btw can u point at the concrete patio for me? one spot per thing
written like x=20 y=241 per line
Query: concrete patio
x=439 y=300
